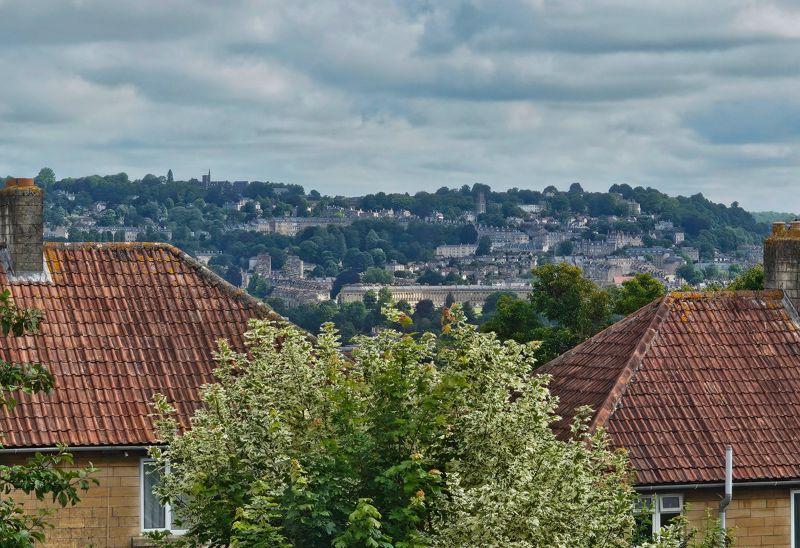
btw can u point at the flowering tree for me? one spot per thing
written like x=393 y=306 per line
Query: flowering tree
x=415 y=441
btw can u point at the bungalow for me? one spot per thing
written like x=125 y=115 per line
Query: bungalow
x=690 y=374
x=123 y=321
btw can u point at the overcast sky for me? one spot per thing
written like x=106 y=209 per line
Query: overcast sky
x=351 y=97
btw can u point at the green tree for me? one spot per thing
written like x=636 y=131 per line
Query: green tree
x=44 y=476
x=377 y=275
x=562 y=295
x=752 y=278
x=413 y=442
x=565 y=248
x=345 y=277
x=234 y=275
x=430 y=277
x=515 y=319
x=484 y=246
x=711 y=272
x=46 y=178
x=490 y=304
x=258 y=286
x=691 y=274
x=637 y=292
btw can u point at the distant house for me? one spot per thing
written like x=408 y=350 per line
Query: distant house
x=56 y=233
x=502 y=237
x=678 y=381
x=692 y=252
x=455 y=251
x=261 y=264
x=291 y=226
x=122 y=321
x=205 y=256
x=633 y=207
x=532 y=208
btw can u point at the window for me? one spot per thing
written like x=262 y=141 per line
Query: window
x=155 y=516
x=795 y=518
x=656 y=511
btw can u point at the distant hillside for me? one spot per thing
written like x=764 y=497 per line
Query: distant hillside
x=707 y=225
x=772 y=216
x=211 y=215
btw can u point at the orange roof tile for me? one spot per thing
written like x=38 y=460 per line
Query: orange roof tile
x=683 y=377
x=122 y=322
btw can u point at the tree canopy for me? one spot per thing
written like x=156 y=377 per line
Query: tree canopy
x=562 y=295
x=636 y=293
x=564 y=308
x=752 y=278
x=417 y=441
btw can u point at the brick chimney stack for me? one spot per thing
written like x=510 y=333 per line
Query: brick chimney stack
x=22 y=225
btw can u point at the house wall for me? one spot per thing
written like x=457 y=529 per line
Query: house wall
x=758 y=517
x=108 y=514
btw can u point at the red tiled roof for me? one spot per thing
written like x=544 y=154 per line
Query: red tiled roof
x=683 y=377
x=122 y=322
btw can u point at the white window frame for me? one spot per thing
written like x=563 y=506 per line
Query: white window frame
x=656 y=510
x=167 y=509
x=792 y=493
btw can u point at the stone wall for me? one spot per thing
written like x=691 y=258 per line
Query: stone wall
x=412 y=294
x=21 y=224
x=758 y=517
x=108 y=514
x=782 y=261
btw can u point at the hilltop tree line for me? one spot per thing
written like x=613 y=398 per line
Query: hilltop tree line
x=200 y=217
x=707 y=225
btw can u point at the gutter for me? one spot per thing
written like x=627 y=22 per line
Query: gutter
x=693 y=486
x=22 y=450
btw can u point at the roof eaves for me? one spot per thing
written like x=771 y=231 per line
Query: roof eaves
x=604 y=412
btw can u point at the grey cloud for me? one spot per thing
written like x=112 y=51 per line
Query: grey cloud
x=29 y=23
x=596 y=27
x=350 y=96
x=752 y=120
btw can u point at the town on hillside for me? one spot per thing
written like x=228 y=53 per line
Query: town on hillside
x=312 y=256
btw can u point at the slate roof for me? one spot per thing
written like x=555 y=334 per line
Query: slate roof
x=122 y=321
x=678 y=380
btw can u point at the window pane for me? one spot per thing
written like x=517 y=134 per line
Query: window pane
x=671 y=502
x=643 y=504
x=153 y=513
